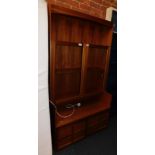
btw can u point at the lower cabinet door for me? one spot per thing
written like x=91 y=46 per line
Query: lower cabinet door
x=79 y=130
x=63 y=132
x=93 y=121
x=104 y=115
x=64 y=142
x=78 y=136
x=76 y=131
x=96 y=127
x=97 y=122
x=79 y=126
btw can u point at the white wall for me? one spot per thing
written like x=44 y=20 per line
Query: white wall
x=44 y=137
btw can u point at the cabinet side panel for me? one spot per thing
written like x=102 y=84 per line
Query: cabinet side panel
x=52 y=57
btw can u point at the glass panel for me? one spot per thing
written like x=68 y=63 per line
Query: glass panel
x=67 y=83
x=68 y=70
x=68 y=29
x=68 y=56
x=94 y=80
x=95 y=69
x=96 y=57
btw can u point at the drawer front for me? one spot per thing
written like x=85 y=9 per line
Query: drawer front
x=78 y=126
x=64 y=132
x=64 y=142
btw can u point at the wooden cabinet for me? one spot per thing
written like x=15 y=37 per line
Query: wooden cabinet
x=82 y=124
x=88 y=119
x=79 y=52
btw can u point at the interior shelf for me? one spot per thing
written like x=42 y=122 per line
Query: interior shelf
x=63 y=70
x=73 y=98
x=96 y=67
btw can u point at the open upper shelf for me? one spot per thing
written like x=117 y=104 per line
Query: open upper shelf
x=86 y=110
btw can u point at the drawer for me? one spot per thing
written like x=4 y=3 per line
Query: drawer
x=64 y=142
x=78 y=126
x=64 y=132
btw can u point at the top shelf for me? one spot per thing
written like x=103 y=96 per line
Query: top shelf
x=82 y=29
x=65 y=11
x=88 y=108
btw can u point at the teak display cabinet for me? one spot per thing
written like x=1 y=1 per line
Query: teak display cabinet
x=79 y=52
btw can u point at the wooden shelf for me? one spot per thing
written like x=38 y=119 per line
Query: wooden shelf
x=77 y=98
x=95 y=68
x=65 y=11
x=64 y=100
x=89 y=108
x=98 y=46
x=66 y=70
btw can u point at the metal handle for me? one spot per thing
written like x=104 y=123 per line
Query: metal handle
x=87 y=45
x=79 y=44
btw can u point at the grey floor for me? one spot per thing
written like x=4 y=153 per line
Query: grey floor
x=101 y=143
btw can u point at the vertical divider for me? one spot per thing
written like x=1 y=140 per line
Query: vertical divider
x=109 y=42
x=52 y=56
x=83 y=68
x=106 y=67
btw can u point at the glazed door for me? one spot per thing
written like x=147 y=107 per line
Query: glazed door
x=76 y=69
x=67 y=53
x=68 y=63
x=95 y=69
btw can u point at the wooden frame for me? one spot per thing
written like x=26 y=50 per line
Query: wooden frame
x=53 y=9
x=103 y=99
x=61 y=10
